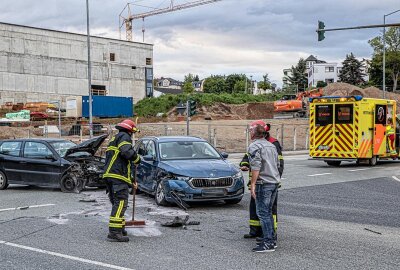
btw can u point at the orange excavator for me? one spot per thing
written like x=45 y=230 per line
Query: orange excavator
x=294 y=106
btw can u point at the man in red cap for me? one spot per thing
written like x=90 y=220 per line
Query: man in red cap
x=117 y=175
x=254 y=222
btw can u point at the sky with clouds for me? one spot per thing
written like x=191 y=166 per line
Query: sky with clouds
x=229 y=36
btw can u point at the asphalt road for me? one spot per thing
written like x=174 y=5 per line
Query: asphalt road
x=329 y=218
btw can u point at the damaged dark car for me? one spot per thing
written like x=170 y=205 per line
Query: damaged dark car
x=55 y=163
x=186 y=169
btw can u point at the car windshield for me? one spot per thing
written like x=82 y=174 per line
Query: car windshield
x=187 y=150
x=61 y=147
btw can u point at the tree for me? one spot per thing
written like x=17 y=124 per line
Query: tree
x=265 y=83
x=392 y=66
x=196 y=78
x=299 y=77
x=239 y=87
x=321 y=84
x=232 y=80
x=352 y=71
x=214 y=84
x=188 y=84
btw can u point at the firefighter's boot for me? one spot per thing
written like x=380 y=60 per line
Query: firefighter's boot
x=116 y=236
x=124 y=232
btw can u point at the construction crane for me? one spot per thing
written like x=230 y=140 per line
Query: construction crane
x=127 y=21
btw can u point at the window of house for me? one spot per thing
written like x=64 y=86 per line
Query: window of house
x=149 y=61
x=329 y=80
x=329 y=69
x=99 y=90
x=112 y=56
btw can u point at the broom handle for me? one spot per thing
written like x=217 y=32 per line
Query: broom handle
x=134 y=193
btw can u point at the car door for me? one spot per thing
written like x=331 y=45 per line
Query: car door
x=42 y=165
x=10 y=152
x=151 y=166
x=140 y=148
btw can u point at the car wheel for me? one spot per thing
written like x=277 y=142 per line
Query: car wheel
x=160 y=194
x=3 y=181
x=372 y=161
x=233 y=201
x=333 y=163
x=69 y=185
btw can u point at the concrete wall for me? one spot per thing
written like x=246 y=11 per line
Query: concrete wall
x=39 y=65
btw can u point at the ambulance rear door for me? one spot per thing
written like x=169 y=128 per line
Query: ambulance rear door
x=379 y=140
x=343 y=130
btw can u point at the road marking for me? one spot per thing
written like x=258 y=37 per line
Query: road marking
x=318 y=174
x=356 y=170
x=26 y=207
x=65 y=256
x=395 y=178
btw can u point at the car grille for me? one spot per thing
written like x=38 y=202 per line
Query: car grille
x=211 y=183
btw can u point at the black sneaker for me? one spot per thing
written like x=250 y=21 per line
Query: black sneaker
x=260 y=239
x=264 y=247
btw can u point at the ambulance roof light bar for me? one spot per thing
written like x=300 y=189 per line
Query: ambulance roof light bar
x=325 y=98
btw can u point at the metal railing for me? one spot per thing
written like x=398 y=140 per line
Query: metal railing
x=231 y=138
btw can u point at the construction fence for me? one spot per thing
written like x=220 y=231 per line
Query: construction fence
x=228 y=138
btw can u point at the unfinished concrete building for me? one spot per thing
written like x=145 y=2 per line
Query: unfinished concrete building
x=44 y=65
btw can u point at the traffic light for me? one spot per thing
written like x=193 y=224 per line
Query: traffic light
x=192 y=107
x=321 y=33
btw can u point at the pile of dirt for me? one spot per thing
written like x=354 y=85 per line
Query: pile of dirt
x=345 y=89
x=16 y=132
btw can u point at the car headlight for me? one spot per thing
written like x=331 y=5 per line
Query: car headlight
x=239 y=174
x=183 y=178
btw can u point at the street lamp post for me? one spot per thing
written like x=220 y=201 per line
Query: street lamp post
x=384 y=52
x=89 y=72
x=251 y=84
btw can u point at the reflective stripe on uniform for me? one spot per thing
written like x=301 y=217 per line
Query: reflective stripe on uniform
x=275 y=222
x=117 y=176
x=121 y=205
x=116 y=219
x=123 y=143
x=280 y=157
x=244 y=163
x=136 y=160
x=253 y=222
x=112 y=225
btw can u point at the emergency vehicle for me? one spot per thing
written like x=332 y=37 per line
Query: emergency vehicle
x=351 y=129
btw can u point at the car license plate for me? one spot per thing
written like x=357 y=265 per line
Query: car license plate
x=214 y=192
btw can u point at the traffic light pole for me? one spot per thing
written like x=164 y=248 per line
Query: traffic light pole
x=358 y=27
x=187 y=117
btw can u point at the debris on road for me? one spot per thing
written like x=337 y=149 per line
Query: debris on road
x=179 y=222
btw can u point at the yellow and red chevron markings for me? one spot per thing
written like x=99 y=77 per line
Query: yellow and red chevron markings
x=364 y=147
x=344 y=142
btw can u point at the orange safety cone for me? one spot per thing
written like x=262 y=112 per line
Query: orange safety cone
x=133 y=222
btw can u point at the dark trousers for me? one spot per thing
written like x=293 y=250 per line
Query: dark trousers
x=255 y=226
x=118 y=193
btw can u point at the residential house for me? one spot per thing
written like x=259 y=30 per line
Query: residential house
x=168 y=83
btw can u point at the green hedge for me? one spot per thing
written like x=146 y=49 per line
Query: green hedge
x=164 y=103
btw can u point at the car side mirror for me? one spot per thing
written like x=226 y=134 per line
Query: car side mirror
x=148 y=158
x=224 y=155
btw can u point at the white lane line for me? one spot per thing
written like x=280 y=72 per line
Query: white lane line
x=395 y=178
x=26 y=207
x=318 y=174
x=65 y=256
x=356 y=170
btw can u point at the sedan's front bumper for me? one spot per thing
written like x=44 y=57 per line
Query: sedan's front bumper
x=189 y=194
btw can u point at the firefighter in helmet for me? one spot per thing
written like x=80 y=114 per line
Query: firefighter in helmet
x=254 y=222
x=119 y=157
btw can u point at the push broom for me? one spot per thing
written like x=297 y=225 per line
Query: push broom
x=133 y=222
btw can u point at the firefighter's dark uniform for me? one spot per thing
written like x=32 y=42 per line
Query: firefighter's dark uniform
x=117 y=176
x=254 y=222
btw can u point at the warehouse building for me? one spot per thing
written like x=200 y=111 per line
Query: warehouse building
x=46 y=65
